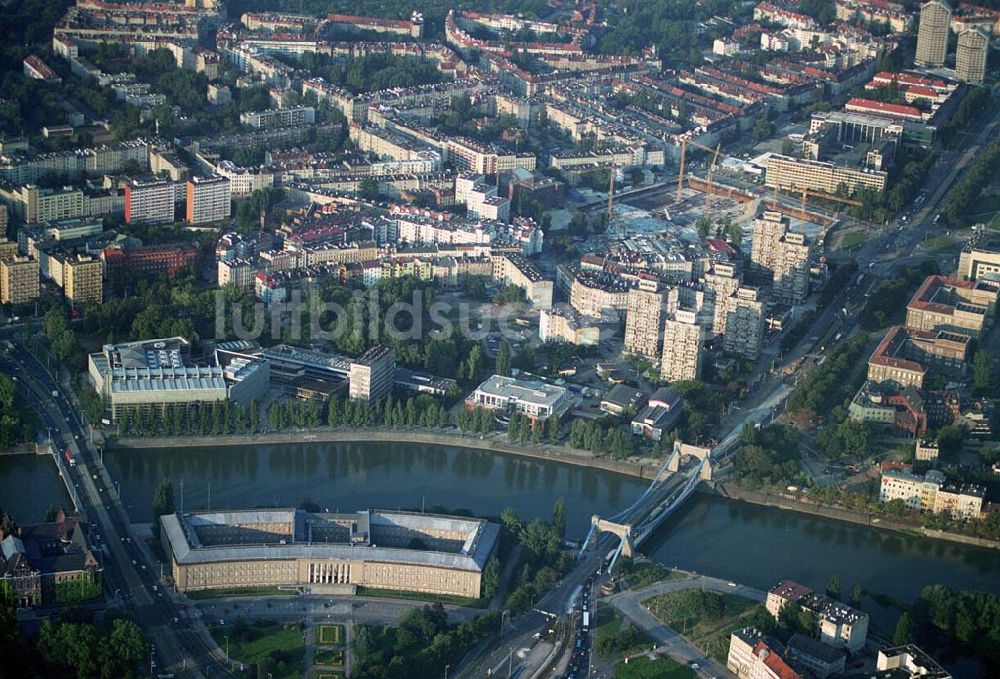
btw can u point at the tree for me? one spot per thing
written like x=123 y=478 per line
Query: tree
x=491 y=577
x=503 y=359
x=981 y=373
x=368 y=189
x=833 y=586
x=904 y=630
x=559 y=516
x=856 y=595
x=762 y=128
x=163 y=500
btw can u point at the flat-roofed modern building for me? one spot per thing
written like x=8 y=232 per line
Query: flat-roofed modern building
x=533 y=398
x=208 y=200
x=149 y=202
x=980 y=258
x=19 y=282
x=372 y=375
x=83 y=279
x=909 y=661
x=332 y=552
x=158 y=375
x=793 y=174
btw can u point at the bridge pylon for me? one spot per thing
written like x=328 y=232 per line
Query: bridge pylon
x=622 y=530
x=682 y=449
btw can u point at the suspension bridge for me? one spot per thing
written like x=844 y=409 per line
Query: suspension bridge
x=670 y=487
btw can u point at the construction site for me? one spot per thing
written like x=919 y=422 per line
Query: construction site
x=712 y=195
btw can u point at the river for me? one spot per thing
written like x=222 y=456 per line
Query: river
x=725 y=538
x=29 y=484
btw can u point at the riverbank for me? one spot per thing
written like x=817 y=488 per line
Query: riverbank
x=783 y=501
x=26 y=449
x=545 y=452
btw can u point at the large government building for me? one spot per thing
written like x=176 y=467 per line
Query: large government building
x=426 y=553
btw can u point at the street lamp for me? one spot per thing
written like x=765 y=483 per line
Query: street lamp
x=228 y=661
x=446 y=668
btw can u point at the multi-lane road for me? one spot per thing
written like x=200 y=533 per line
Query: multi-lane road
x=180 y=644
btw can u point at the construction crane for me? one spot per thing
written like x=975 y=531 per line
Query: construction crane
x=708 y=180
x=680 y=172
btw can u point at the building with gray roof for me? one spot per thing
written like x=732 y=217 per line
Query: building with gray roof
x=433 y=554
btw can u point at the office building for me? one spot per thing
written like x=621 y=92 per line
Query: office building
x=371 y=376
x=645 y=311
x=932 y=33
x=795 y=174
x=19 y=282
x=83 y=279
x=532 y=398
x=157 y=375
x=328 y=552
x=980 y=257
x=952 y=305
x=971 y=56
x=744 y=313
x=682 y=351
x=208 y=200
x=149 y=202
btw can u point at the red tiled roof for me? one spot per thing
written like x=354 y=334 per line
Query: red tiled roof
x=884 y=107
x=774 y=662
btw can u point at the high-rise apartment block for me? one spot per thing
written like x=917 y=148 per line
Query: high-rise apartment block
x=781 y=256
x=208 y=200
x=722 y=281
x=371 y=376
x=932 y=33
x=970 y=56
x=645 y=309
x=149 y=202
x=83 y=279
x=682 y=350
x=744 y=323
x=18 y=280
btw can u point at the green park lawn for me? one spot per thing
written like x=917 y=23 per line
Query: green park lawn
x=335 y=658
x=330 y=635
x=661 y=668
x=637 y=575
x=278 y=649
x=706 y=618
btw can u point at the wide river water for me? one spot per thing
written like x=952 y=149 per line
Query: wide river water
x=732 y=540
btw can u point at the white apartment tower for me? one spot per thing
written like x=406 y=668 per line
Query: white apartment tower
x=970 y=56
x=682 y=350
x=932 y=33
